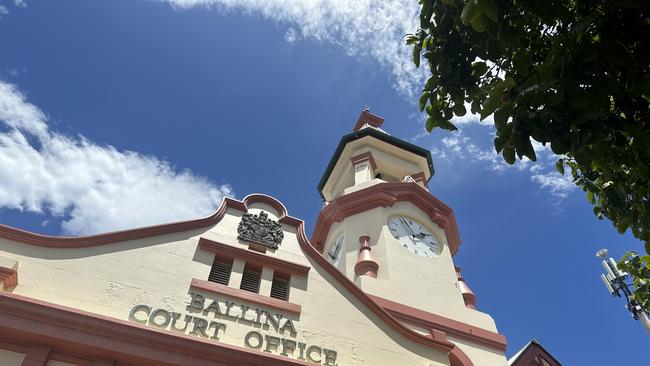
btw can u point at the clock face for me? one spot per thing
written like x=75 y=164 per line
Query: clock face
x=414 y=236
x=334 y=253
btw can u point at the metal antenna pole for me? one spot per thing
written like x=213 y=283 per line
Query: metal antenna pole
x=614 y=281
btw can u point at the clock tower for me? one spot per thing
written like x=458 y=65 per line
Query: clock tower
x=382 y=228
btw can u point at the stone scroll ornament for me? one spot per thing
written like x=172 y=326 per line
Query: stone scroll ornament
x=260 y=229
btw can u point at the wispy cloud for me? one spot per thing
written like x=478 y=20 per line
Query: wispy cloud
x=458 y=145
x=291 y=35
x=376 y=29
x=4 y=10
x=360 y=28
x=91 y=188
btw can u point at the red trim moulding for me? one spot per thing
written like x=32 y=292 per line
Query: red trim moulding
x=220 y=289
x=27 y=237
x=37 y=355
x=254 y=258
x=420 y=178
x=386 y=195
x=25 y=319
x=451 y=327
x=366 y=156
x=13 y=346
x=369 y=118
x=83 y=334
x=8 y=277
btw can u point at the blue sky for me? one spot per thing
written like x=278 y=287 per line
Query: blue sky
x=118 y=114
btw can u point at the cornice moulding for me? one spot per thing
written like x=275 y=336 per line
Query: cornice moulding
x=386 y=195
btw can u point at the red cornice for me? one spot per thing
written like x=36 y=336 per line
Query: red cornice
x=366 y=156
x=78 y=332
x=531 y=355
x=22 y=318
x=8 y=277
x=452 y=327
x=369 y=118
x=37 y=355
x=254 y=257
x=437 y=340
x=220 y=289
x=385 y=195
x=263 y=198
x=27 y=237
x=458 y=358
x=420 y=178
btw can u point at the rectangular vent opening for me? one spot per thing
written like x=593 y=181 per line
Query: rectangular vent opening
x=280 y=287
x=250 y=280
x=220 y=271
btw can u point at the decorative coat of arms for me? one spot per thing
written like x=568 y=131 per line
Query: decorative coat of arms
x=260 y=229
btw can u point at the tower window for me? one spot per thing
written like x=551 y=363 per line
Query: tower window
x=250 y=280
x=220 y=271
x=280 y=287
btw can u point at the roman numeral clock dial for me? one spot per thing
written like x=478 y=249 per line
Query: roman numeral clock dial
x=414 y=236
x=334 y=253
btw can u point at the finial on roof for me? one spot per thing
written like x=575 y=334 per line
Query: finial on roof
x=366 y=108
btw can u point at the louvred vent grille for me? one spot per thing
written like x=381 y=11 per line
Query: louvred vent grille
x=250 y=281
x=220 y=272
x=280 y=289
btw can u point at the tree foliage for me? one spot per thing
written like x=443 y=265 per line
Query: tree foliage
x=639 y=268
x=574 y=75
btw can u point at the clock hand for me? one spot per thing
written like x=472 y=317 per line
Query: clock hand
x=407 y=226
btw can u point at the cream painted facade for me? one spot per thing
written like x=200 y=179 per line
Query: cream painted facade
x=121 y=279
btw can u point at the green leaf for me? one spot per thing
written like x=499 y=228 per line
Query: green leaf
x=527 y=149
x=475 y=107
x=460 y=110
x=501 y=116
x=431 y=82
x=426 y=41
x=509 y=154
x=436 y=121
x=423 y=100
x=411 y=39
x=498 y=144
x=591 y=198
x=489 y=8
x=479 y=69
x=478 y=24
x=447 y=125
x=559 y=166
x=507 y=84
x=500 y=119
x=430 y=124
x=470 y=12
x=416 y=55
x=490 y=105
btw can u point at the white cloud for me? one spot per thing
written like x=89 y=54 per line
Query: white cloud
x=92 y=188
x=3 y=11
x=291 y=35
x=376 y=29
x=361 y=28
x=457 y=146
x=559 y=185
x=20 y=3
